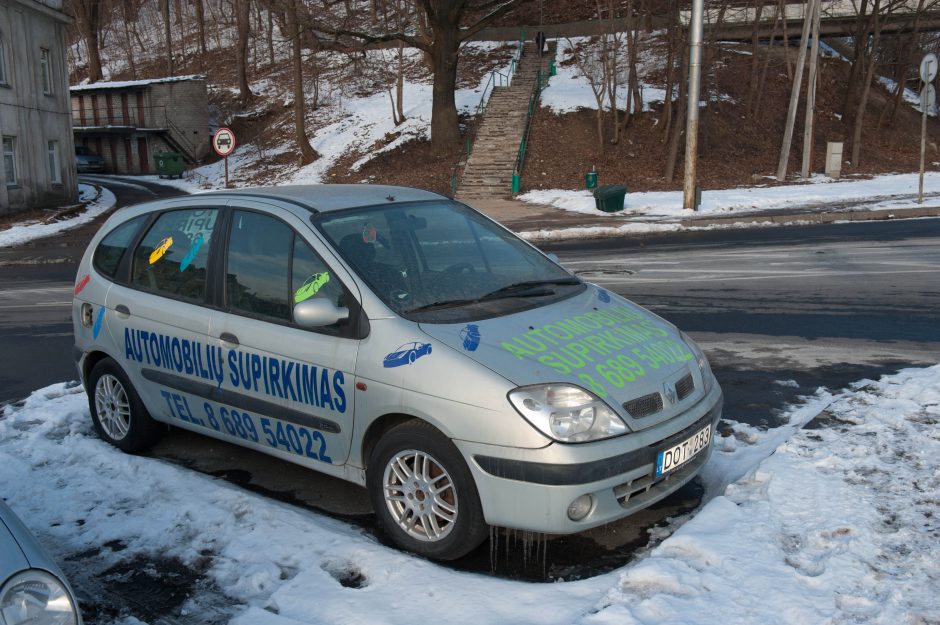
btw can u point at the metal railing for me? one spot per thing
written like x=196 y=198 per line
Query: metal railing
x=496 y=79
x=133 y=117
x=541 y=81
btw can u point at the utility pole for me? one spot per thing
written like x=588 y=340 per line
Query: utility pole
x=794 y=96
x=695 y=80
x=811 y=96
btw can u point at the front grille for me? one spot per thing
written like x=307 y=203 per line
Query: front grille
x=684 y=387
x=644 y=406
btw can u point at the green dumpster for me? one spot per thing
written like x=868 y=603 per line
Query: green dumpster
x=609 y=198
x=169 y=164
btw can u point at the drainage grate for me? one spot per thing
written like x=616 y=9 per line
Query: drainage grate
x=644 y=406
x=684 y=387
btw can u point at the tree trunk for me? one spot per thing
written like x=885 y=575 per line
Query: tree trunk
x=126 y=10
x=242 y=24
x=201 y=26
x=866 y=89
x=860 y=38
x=763 y=76
x=270 y=37
x=445 y=133
x=755 y=63
x=670 y=66
x=89 y=19
x=307 y=153
x=168 y=35
x=672 y=154
x=400 y=84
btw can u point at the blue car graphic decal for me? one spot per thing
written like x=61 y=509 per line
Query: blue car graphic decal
x=471 y=337
x=406 y=354
x=603 y=295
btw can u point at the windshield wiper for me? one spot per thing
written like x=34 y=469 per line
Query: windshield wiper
x=529 y=288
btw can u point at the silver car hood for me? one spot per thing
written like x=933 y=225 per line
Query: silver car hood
x=597 y=340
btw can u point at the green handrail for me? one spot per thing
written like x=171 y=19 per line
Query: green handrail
x=494 y=77
x=541 y=81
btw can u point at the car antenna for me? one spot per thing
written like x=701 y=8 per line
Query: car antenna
x=390 y=198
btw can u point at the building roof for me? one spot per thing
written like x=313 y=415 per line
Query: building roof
x=129 y=84
x=331 y=197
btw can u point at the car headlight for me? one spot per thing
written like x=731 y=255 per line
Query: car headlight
x=567 y=413
x=708 y=379
x=35 y=597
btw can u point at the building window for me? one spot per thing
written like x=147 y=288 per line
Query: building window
x=9 y=160
x=55 y=163
x=3 y=63
x=45 y=68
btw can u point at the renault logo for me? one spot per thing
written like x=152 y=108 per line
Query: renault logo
x=670 y=392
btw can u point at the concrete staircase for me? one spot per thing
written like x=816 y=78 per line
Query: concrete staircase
x=488 y=171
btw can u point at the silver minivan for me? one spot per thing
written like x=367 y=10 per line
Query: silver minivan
x=396 y=339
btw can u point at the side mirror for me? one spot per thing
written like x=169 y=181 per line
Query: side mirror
x=318 y=312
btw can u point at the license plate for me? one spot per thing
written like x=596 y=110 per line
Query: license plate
x=674 y=457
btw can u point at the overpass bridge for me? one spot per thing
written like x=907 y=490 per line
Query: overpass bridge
x=837 y=18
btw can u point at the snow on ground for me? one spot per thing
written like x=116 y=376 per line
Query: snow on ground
x=569 y=90
x=97 y=200
x=833 y=525
x=660 y=211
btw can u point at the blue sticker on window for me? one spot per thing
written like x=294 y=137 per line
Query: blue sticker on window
x=603 y=295
x=471 y=337
x=191 y=254
x=406 y=354
x=96 y=329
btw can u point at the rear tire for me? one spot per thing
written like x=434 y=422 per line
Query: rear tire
x=423 y=493
x=118 y=414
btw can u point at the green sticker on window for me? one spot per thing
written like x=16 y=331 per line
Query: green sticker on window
x=311 y=286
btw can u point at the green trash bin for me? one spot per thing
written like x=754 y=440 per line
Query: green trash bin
x=590 y=180
x=609 y=198
x=169 y=164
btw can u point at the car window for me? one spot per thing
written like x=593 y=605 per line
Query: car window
x=171 y=259
x=310 y=277
x=432 y=258
x=112 y=247
x=256 y=278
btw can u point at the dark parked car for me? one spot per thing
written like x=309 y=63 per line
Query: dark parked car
x=32 y=588
x=87 y=161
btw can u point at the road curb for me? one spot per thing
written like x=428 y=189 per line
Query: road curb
x=823 y=218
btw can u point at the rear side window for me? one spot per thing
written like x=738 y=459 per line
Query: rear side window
x=172 y=257
x=111 y=249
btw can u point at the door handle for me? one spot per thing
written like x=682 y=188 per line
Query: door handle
x=228 y=337
x=123 y=311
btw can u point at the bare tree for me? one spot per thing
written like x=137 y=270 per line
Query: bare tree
x=201 y=25
x=589 y=58
x=242 y=26
x=449 y=23
x=88 y=20
x=307 y=153
x=871 y=63
x=168 y=35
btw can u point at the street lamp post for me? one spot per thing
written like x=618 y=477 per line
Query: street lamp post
x=695 y=80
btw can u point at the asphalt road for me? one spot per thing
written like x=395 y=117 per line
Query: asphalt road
x=806 y=306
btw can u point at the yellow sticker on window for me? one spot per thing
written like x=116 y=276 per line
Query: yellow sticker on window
x=161 y=249
x=311 y=286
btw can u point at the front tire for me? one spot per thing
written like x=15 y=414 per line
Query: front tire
x=423 y=493
x=118 y=414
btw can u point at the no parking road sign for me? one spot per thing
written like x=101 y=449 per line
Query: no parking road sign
x=223 y=141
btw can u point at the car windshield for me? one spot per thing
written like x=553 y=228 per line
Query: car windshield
x=443 y=262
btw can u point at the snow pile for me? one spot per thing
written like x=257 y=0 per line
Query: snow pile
x=838 y=525
x=97 y=200
x=885 y=191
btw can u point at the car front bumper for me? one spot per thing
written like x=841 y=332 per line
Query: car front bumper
x=531 y=489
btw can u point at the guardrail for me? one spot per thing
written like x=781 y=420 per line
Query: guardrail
x=496 y=79
x=541 y=81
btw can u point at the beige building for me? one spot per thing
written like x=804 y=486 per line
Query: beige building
x=127 y=122
x=35 y=125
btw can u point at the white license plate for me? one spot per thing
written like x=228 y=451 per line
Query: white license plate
x=674 y=457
